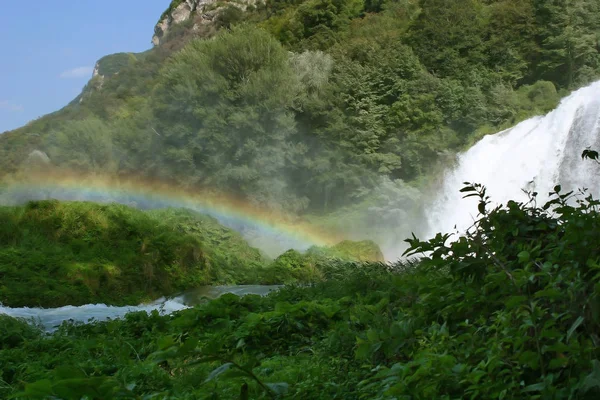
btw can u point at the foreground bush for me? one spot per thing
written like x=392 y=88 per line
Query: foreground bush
x=509 y=311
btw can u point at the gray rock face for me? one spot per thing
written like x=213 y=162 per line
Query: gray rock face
x=203 y=11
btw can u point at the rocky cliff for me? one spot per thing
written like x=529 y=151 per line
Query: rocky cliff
x=197 y=12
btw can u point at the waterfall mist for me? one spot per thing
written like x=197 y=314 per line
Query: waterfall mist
x=535 y=155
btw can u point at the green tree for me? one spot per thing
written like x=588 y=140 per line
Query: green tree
x=84 y=145
x=223 y=107
x=568 y=39
x=448 y=36
x=510 y=44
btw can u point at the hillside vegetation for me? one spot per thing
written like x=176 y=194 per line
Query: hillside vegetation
x=336 y=111
x=508 y=312
x=71 y=253
x=55 y=254
x=305 y=106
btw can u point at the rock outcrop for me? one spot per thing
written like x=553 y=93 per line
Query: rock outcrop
x=200 y=11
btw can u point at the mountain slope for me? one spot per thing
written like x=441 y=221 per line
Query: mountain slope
x=304 y=107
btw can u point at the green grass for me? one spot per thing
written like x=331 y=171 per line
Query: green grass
x=53 y=254
x=71 y=253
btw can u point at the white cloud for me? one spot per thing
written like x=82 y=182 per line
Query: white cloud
x=79 y=72
x=8 y=106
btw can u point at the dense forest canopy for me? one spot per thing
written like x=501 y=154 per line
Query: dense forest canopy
x=305 y=106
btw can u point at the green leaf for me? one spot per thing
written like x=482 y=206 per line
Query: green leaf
x=550 y=293
x=165 y=342
x=372 y=335
x=573 y=327
x=363 y=349
x=203 y=360
x=481 y=207
x=164 y=355
x=592 y=381
x=39 y=388
x=591 y=154
x=523 y=256
x=557 y=363
x=188 y=347
x=514 y=301
x=235 y=373
x=550 y=334
x=253 y=362
x=279 y=388
x=216 y=372
x=67 y=372
x=529 y=358
x=538 y=387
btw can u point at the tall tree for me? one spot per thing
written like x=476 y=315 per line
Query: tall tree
x=84 y=145
x=224 y=107
x=568 y=36
x=448 y=36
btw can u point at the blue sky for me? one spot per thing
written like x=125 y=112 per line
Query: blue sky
x=49 y=49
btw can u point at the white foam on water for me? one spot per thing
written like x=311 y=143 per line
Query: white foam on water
x=51 y=318
x=535 y=155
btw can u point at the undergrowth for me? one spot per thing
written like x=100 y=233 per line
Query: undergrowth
x=509 y=311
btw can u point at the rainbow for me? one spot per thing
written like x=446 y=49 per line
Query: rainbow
x=276 y=230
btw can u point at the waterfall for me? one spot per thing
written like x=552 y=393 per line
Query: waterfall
x=535 y=155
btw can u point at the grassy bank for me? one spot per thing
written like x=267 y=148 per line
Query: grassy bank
x=71 y=253
x=510 y=311
x=54 y=253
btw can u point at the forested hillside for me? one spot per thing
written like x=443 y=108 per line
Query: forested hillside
x=334 y=113
x=306 y=106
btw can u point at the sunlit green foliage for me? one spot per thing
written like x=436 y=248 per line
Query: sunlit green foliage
x=369 y=90
x=365 y=250
x=510 y=310
x=114 y=63
x=54 y=254
x=70 y=253
x=230 y=97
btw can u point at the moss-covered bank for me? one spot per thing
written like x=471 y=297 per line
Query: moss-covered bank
x=71 y=253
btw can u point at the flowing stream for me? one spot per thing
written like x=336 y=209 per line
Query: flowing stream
x=51 y=318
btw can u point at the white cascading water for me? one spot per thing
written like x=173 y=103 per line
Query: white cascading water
x=51 y=318
x=535 y=155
